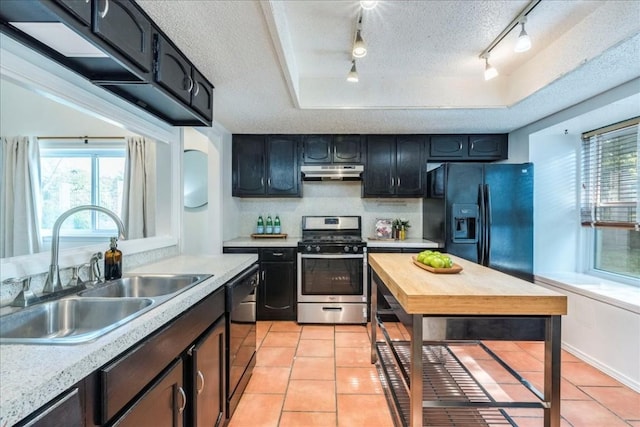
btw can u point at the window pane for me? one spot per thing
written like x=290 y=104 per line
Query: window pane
x=66 y=182
x=618 y=251
x=111 y=173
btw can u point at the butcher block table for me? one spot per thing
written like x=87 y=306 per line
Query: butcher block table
x=429 y=382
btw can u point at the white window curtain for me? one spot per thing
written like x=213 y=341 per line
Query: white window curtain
x=139 y=192
x=20 y=197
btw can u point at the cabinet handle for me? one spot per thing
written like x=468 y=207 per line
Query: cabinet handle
x=278 y=254
x=262 y=182
x=190 y=82
x=398 y=181
x=459 y=146
x=197 y=86
x=201 y=377
x=184 y=400
x=392 y=182
x=471 y=148
x=269 y=182
x=103 y=13
x=263 y=271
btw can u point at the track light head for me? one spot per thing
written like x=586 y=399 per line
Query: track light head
x=359 y=47
x=524 y=41
x=353 y=74
x=489 y=71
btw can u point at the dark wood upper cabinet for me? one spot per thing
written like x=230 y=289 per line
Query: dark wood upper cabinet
x=488 y=147
x=327 y=149
x=79 y=9
x=123 y=26
x=395 y=166
x=173 y=71
x=447 y=146
x=202 y=94
x=478 y=148
x=265 y=165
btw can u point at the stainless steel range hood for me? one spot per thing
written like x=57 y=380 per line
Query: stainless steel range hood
x=332 y=172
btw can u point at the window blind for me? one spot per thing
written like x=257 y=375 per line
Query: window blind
x=610 y=177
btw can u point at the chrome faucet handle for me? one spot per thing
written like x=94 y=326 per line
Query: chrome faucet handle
x=26 y=296
x=94 y=266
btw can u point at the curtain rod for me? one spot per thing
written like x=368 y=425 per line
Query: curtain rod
x=81 y=137
x=613 y=127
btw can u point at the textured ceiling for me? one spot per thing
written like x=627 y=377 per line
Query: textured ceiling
x=281 y=66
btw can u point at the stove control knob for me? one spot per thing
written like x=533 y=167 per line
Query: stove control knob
x=346 y=248
x=317 y=248
x=308 y=248
x=355 y=249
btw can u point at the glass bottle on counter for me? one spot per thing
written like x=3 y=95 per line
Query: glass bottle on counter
x=260 y=226
x=113 y=261
x=276 y=225
x=269 y=226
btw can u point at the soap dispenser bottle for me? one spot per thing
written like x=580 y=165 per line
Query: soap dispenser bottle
x=113 y=261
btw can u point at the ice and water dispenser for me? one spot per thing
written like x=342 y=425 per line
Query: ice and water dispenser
x=465 y=221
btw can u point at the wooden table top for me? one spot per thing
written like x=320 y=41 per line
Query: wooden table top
x=476 y=290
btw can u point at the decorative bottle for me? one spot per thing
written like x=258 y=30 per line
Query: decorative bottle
x=276 y=225
x=269 y=225
x=113 y=261
x=260 y=226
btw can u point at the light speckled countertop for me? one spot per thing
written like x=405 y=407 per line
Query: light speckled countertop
x=32 y=375
x=292 y=242
x=250 y=242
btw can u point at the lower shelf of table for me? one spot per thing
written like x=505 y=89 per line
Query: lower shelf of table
x=451 y=395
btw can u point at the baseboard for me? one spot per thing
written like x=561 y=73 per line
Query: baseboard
x=629 y=382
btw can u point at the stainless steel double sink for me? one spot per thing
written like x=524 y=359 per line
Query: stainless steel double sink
x=93 y=312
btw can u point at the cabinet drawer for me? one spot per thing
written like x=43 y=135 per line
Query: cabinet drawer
x=277 y=254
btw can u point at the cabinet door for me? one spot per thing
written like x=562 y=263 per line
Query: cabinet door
x=410 y=165
x=162 y=405
x=447 y=146
x=173 y=70
x=276 y=293
x=79 y=9
x=347 y=149
x=248 y=165
x=202 y=95
x=316 y=149
x=121 y=24
x=488 y=147
x=283 y=174
x=208 y=378
x=380 y=170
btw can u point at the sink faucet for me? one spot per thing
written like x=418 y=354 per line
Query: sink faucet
x=53 y=283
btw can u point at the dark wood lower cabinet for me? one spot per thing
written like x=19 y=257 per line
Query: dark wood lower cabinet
x=206 y=369
x=163 y=403
x=66 y=410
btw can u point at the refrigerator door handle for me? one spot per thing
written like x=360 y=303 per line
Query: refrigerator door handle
x=487 y=225
x=481 y=220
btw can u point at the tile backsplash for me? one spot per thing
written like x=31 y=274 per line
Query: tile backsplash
x=329 y=198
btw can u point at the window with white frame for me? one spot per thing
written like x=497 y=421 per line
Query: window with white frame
x=609 y=200
x=76 y=173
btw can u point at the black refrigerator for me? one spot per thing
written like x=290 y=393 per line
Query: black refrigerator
x=483 y=212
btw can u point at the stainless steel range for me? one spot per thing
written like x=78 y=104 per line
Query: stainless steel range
x=332 y=270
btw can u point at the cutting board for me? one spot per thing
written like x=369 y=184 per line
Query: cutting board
x=269 y=236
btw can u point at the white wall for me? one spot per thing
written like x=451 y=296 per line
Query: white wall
x=328 y=198
x=604 y=334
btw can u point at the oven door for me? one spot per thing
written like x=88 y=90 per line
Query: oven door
x=332 y=278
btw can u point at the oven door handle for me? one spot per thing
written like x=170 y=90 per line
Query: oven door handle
x=337 y=256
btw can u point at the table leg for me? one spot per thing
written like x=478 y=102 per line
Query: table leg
x=374 y=321
x=552 y=370
x=416 y=372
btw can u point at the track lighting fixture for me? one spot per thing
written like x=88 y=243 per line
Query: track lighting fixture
x=368 y=5
x=524 y=41
x=523 y=44
x=489 y=71
x=359 y=47
x=353 y=74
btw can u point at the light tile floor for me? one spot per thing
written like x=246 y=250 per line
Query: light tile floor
x=317 y=375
